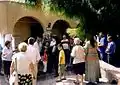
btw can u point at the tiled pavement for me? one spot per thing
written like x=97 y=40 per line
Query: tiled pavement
x=50 y=80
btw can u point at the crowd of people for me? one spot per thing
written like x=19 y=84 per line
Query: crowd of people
x=48 y=54
x=108 y=48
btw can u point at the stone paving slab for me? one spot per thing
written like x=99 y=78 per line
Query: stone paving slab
x=50 y=80
x=2 y=81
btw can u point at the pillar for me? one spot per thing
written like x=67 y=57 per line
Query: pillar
x=2 y=39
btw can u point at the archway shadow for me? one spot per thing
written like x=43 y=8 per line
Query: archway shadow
x=59 y=28
x=27 y=27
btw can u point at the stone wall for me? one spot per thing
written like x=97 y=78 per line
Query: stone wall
x=12 y=12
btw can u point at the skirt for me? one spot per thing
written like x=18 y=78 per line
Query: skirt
x=79 y=68
x=92 y=71
x=25 y=79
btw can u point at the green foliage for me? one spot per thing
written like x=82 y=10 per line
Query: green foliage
x=66 y=6
x=71 y=9
x=80 y=31
x=98 y=14
x=31 y=2
x=72 y=32
x=36 y=4
x=78 y=9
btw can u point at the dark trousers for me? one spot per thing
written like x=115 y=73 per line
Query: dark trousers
x=67 y=56
x=53 y=64
x=103 y=56
x=99 y=54
x=49 y=64
x=110 y=58
x=6 y=66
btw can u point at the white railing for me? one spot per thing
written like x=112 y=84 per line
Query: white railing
x=110 y=72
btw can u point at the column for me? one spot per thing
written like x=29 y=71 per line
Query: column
x=2 y=39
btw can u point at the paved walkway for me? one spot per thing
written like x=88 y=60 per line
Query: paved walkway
x=50 y=80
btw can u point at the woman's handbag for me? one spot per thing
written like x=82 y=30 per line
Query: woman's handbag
x=14 y=76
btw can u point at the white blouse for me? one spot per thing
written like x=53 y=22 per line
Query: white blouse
x=78 y=54
x=38 y=46
x=22 y=63
x=7 y=54
x=33 y=54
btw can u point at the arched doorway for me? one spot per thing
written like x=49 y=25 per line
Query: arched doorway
x=59 y=28
x=27 y=27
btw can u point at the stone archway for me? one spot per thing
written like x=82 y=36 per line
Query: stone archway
x=59 y=28
x=27 y=27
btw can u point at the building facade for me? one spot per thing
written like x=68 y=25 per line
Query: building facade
x=21 y=22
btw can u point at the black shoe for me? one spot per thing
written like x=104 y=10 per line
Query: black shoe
x=76 y=83
x=91 y=83
x=1 y=74
x=63 y=79
x=56 y=75
x=44 y=73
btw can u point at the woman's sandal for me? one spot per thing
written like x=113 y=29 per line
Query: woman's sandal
x=76 y=83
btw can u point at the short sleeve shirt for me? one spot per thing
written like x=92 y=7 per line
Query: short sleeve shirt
x=61 y=57
x=22 y=63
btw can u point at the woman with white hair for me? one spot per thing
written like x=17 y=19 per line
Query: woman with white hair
x=24 y=66
x=79 y=60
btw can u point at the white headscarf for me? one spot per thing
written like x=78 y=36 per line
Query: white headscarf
x=77 y=41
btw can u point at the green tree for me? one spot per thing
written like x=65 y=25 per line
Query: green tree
x=80 y=29
x=72 y=9
x=80 y=33
x=98 y=14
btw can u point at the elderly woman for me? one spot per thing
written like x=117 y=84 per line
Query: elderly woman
x=7 y=58
x=25 y=67
x=78 y=61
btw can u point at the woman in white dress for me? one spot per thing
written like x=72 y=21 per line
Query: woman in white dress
x=25 y=67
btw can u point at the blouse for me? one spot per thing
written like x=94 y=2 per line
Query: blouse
x=7 y=54
x=22 y=63
x=78 y=54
